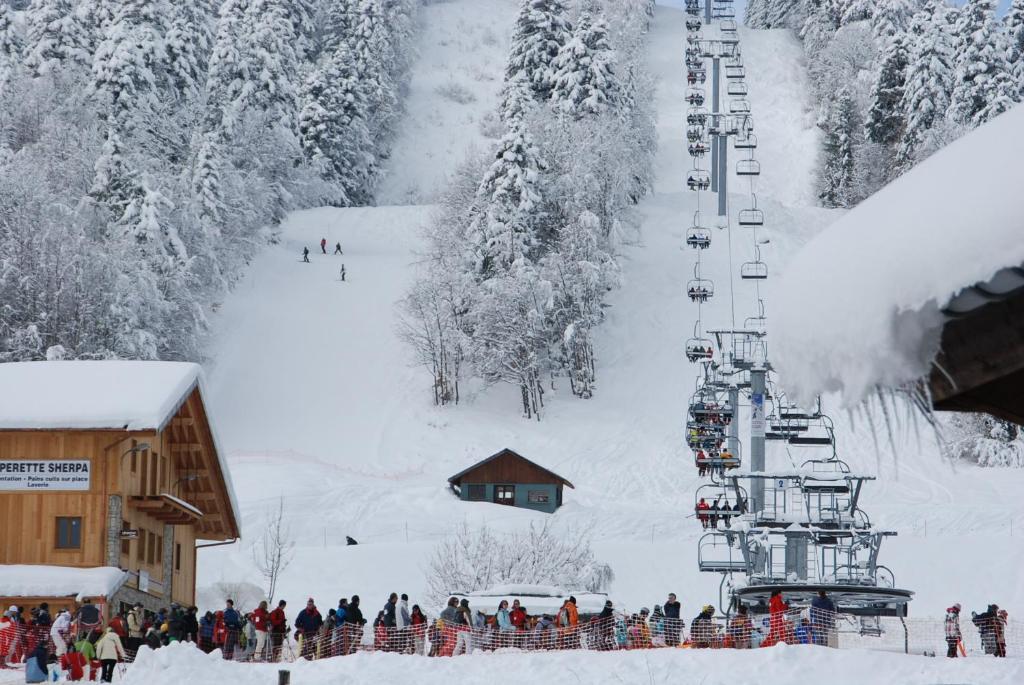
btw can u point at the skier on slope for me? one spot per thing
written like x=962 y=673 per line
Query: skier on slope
x=323 y=245
x=953 y=634
x=337 y=249
x=305 y=254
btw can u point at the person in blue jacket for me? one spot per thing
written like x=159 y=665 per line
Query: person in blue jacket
x=308 y=624
x=823 y=618
x=233 y=624
x=36 y=668
x=804 y=634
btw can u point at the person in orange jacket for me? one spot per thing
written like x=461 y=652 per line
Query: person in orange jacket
x=777 y=609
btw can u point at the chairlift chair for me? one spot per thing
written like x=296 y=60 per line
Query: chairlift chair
x=699 y=349
x=747 y=142
x=694 y=62
x=754 y=271
x=698 y=179
x=700 y=290
x=735 y=73
x=698 y=238
x=695 y=97
x=698 y=116
x=736 y=88
x=748 y=167
x=698 y=149
x=728 y=25
x=739 y=107
x=756 y=323
x=730 y=39
x=695 y=134
x=725 y=12
x=751 y=217
x=693 y=25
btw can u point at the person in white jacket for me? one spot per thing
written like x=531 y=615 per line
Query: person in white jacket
x=109 y=650
x=402 y=621
x=60 y=632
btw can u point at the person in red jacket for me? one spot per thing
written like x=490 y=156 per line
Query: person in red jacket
x=278 y=629
x=323 y=245
x=261 y=624
x=117 y=625
x=777 y=608
x=702 y=512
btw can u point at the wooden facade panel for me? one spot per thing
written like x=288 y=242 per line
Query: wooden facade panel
x=508 y=469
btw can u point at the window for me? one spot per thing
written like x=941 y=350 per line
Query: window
x=126 y=545
x=477 y=493
x=140 y=547
x=150 y=548
x=69 y=532
x=159 y=549
x=144 y=478
x=177 y=556
x=538 y=496
x=505 y=494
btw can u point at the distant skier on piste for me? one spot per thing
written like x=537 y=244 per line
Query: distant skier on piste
x=305 y=255
x=323 y=245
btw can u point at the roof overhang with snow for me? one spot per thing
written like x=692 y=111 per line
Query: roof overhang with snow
x=894 y=292
x=29 y=580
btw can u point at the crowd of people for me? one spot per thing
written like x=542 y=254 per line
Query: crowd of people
x=991 y=625
x=78 y=646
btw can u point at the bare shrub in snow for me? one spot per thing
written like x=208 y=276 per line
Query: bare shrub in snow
x=456 y=92
x=474 y=559
x=274 y=550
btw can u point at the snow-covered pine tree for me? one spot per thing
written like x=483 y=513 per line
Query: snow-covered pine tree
x=819 y=26
x=55 y=36
x=585 y=81
x=756 y=14
x=857 y=10
x=1015 y=33
x=983 y=439
x=517 y=98
x=10 y=48
x=126 y=64
x=780 y=14
x=189 y=41
x=228 y=72
x=273 y=63
x=114 y=186
x=837 y=176
x=541 y=30
x=333 y=128
x=207 y=191
x=892 y=17
x=337 y=23
x=983 y=88
x=372 y=54
x=886 y=118
x=929 y=83
x=505 y=233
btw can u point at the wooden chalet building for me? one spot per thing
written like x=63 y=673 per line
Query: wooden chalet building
x=511 y=479
x=110 y=473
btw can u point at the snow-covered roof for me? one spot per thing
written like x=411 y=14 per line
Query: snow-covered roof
x=860 y=305
x=26 y=580
x=182 y=503
x=120 y=395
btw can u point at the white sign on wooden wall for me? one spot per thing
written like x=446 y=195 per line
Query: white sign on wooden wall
x=63 y=474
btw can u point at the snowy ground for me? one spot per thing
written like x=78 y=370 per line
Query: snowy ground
x=453 y=90
x=314 y=401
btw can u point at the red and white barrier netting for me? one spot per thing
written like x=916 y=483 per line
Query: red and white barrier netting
x=618 y=632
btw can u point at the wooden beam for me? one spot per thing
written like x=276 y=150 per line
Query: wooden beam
x=186 y=447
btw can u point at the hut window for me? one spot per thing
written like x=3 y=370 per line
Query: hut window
x=477 y=493
x=538 y=496
x=69 y=532
x=177 y=556
x=150 y=548
x=159 y=549
x=505 y=494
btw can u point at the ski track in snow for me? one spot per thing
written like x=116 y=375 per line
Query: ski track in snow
x=315 y=399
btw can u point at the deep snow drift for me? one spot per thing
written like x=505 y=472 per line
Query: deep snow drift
x=316 y=402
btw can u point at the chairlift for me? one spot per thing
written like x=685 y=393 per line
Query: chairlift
x=700 y=290
x=693 y=8
x=728 y=25
x=731 y=126
x=694 y=62
x=734 y=61
x=752 y=216
x=698 y=149
x=747 y=142
x=699 y=349
x=736 y=88
x=725 y=12
x=694 y=77
x=756 y=323
x=754 y=271
x=748 y=167
x=730 y=39
x=695 y=134
x=735 y=73
x=693 y=25
x=698 y=238
x=698 y=116
x=739 y=107
x=698 y=179
x=695 y=97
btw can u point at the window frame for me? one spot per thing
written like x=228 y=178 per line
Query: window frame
x=69 y=537
x=538 y=497
x=474 y=489
x=505 y=494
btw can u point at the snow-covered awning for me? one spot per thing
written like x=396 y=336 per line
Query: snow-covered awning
x=27 y=580
x=861 y=306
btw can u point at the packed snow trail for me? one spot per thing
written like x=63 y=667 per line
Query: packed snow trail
x=316 y=401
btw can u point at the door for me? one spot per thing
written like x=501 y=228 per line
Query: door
x=505 y=494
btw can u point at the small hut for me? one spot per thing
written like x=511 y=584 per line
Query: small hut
x=511 y=479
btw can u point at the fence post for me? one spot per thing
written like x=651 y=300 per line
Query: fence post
x=284 y=677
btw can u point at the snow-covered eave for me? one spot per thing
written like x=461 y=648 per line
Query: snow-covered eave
x=862 y=305
x=29 y=580
x=222 y=463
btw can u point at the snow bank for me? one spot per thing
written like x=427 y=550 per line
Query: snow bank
x=859 y=306
x=25 y=580
x=782 y=664
x=121 y=395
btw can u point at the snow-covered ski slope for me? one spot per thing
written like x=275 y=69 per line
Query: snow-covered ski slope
x=315 y=401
